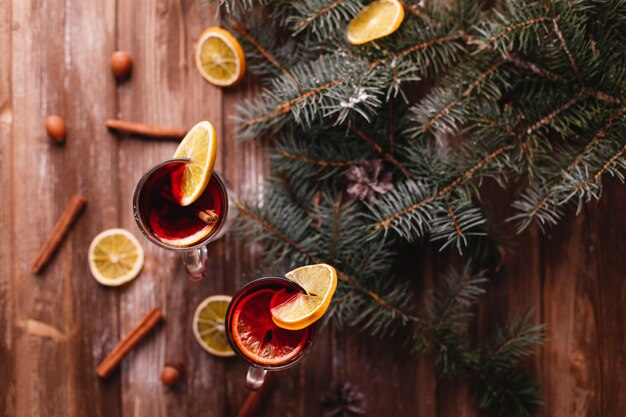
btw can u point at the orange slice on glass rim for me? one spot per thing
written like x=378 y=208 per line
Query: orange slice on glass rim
x=301 y=310
x=199 y=146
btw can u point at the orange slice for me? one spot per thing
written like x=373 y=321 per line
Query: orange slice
x=377 y=20
x=258 y=337
x=200 y=147
x=301 y=310
x=115 y=257
x=208 y=325
x=220 y=58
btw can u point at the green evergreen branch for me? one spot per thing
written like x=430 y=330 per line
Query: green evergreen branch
x=415 y=48
x=322 y=163
x=387 y=221
x=448 y=316
x=322 y=17
x=546 y=204
x=386 y=156
x=501 y=386
x=242 y=31
x=519 y=25
x=596 y=177
x=565 y=48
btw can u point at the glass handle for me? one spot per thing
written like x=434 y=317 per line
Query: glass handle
x=255 y=378
x=195 y=261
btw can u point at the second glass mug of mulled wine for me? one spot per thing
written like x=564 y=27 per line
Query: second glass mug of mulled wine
x=255 y=337
x=183 y=229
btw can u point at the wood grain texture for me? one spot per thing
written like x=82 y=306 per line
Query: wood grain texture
x=56 y=327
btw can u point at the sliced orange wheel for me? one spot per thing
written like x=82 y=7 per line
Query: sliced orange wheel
x=208 y=325
x=115 y=257
x=377 y=20
x=220 y=58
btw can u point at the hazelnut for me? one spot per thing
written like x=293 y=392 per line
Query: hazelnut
x=55 y=126
x=121 y=64
x=172 y=372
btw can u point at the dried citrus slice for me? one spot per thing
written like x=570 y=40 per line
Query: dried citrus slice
x=377 y=20
x=220 y=58
x=208 y=325
x=302 y=310
x=258 y=337
x=200 y=147
x=115 y=257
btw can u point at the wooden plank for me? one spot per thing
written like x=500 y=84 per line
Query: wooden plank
x=58 y=322
x=7 y=315
x=583 y=304
x=607 y=244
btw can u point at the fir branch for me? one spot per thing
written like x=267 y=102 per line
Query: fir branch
x=420 y=12
x=465 y=93
x=513 y=342
x=596 y=177
x=448 y=316
x=390 y=127
x=453 y=216
x=245 y=211
x=321 y=163
x=240 y=29
x=303 y=22
x=500 y=385
x=519 y=25
x=379 y=149
x=387 y=221
x=415 y=48
x=565 y=48
x=530 y=66
x=552 y=115
x=457 y=223
x=545 y=206
x=286 y=106
x=324 y=19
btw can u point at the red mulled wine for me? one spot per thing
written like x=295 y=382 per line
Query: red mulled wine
x=164 y=220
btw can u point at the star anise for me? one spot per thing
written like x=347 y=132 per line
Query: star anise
x=343 y=400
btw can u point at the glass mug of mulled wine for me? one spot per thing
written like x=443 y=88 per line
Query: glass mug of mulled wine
x=183 y=229
x=255 y=337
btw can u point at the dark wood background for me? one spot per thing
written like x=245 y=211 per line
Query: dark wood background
x=56 y=327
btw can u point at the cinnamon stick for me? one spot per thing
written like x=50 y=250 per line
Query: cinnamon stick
x=131 y=340
x=208 y=216
x=255 y=399
x=65 y=222
x=155 y=131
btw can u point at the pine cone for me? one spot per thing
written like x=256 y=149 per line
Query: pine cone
x=344 y=400
x=367 y=179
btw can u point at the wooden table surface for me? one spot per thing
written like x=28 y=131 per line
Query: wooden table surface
x=57 y=326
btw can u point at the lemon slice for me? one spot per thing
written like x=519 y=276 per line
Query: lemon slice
x=115 y=257
x=200 y=147
x=220 y=58
x=381 y=18
x=301 y=310
x=208 y=325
